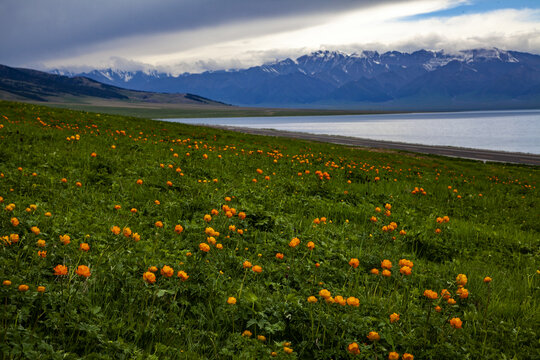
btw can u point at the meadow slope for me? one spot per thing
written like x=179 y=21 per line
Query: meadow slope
x=126 y=238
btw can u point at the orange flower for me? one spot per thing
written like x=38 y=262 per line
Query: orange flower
x=42 y=254
x=353 y=348
x=167 y=271
x=386 y=264
x=312 y=299
x=136 y=237
x=279 y=256
x=207 y=218
x=463 y=293
x=117 y=207
x=373 y=219
x=374 y=336
x=445 y=294
x=60 y=270
x=78 y=184
x=204 y=247
x=6 y=283
x=456 y=323
x=41 y=289
x=139 y=182
x=83 y=270
x=35 y=230
x=294 y=242
x=241 y=215
x=487 y=279
x=247 y=333
x=41 y=243
x=430 y=294
x=388 y=207
x=408 y=356
x=257 y=269
x=311 y=245
x=149 y=277
x=14 y=221
x=65 y=239
x=115 y=230
x=394 y=318
x=352 y=301
x=386 y=273
x=405 y=262
x=324 y=293
x=461 y=279
x=152 y=269
x=374 y=271
x=287 y=350
x=354 y=262
x=133 y=210
x=231 y=300
x=84 y=247
x=393 y=356
x=340 y=300
x=23 y=288
x=246 y=265
x=183 y=275
x=93 y=154
x=405 y=270
x=159 y=224
x=127 y=232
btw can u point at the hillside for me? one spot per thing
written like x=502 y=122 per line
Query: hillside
x=27 y=84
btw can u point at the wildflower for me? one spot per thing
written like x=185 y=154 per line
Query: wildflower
x=445 y=294
x=294 y=242
x=405 y=262
x=42 y=254
x=354 y=262
x=149 y=277
x=84 y=247
x=60 y=270
x=352 y=301
x=394 y=318
x=257 y=269
x=311 y=245
x=437 y=231
x=456 y=323
x=373 y=219
x=312 y=299
x=246 y=265
x=287 y=350
x=386 y=273
x=115 y=230
x=353 y=348
x=219 y=246
x=207 y=218
x=133 y=210
x=405 y=270
x=386 y=264
x=451 y=301
x=463 y=293
x=374 y=271
x=461 y=279
x=430 y=294
x=178 y=229
x=64 y=180
x=157 y=202
x=14 y=221
x=139 y=182
x=393 y=356
x=167 y=271
x=127 y=232
x=152 y=269
x=279 y=256
x=316 y=221
x=6 y=283
x=241 y=215
x=41 y=289
x=136 y=237
x=78 y=184
x=35 y=230
x=340 y=300
x=182 y=275
x=324 y=293
x=487 y=279
x=83 y=270
x=374 y=336
x=261 y=338
x=23 y=288
x=408 y=356
x=48 y=214
x=231 y=300
x=273 y=354
x=204 y=247
x=159 y=224
x=247 y=333
x=41 y=243
x=378 y=209
x=388 y=206
x=437 y=308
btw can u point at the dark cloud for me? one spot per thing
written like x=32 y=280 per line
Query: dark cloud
x=37 y=30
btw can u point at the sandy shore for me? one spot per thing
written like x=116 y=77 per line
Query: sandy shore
x=466 y=153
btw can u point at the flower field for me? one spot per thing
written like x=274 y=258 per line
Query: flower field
x=126 y=238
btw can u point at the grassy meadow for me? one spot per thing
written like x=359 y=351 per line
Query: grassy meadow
x=127 y=238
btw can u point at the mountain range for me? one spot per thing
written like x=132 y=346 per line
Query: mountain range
x=422 y=80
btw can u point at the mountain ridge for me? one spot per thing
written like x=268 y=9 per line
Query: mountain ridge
x=366 y=79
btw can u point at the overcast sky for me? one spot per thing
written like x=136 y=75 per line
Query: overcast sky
x=198 y=35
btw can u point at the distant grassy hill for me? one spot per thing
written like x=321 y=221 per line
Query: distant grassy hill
x=27 y=84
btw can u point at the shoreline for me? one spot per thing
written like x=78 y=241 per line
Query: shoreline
x=449 y=151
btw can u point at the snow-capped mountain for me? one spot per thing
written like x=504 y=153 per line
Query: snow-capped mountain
x=484 y=77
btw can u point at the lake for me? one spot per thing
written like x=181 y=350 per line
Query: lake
x=512 y=130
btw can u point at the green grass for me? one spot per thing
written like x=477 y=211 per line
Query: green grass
x=115 y=314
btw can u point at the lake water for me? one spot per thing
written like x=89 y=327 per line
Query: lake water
x=514 y=130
